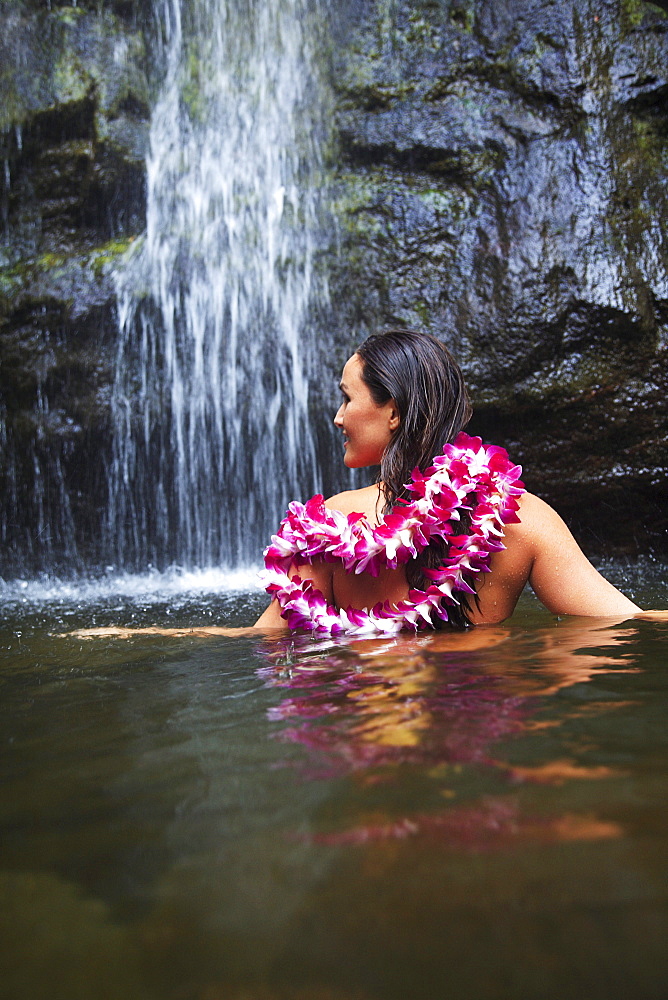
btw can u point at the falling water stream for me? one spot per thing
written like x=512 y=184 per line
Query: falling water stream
x=210 y=403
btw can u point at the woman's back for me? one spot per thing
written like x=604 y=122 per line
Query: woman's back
x=539 y=549
x=362 y=590
x=404 y=406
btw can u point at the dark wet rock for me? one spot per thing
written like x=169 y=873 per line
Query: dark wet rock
x=74 y=115
x=73 y=126
x=58 y=329
x=502 y=183
x=499 y=178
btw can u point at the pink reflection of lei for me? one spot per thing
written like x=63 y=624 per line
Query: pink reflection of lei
x=371 y=715
x=466 y=476
x=353 y=715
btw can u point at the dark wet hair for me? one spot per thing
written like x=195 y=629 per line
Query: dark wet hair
x=418 y=372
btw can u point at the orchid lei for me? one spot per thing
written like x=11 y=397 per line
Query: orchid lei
x=466 y=476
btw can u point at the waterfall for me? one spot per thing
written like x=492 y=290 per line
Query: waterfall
x=212 y=435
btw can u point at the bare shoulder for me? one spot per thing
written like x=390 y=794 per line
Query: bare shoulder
x=536 y=517
x=498 y=591
x=560 y=573
x=524 y=538
x=540 y=549
x=365 y=501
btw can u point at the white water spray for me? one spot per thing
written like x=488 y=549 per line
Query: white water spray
x=212 y=431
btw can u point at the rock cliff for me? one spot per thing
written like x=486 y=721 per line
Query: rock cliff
x=74 y=112
x=498 y=178
x=502 y=183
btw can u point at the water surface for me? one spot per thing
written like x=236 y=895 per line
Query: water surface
x=480 y=815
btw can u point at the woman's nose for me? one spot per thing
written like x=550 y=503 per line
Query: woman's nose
x=338 y=417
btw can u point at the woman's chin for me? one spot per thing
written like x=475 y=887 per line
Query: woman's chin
x=357 y=463
x=350 y=461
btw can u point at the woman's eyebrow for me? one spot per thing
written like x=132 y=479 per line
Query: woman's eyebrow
x=343 y=387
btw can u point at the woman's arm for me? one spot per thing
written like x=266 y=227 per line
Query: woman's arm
x=561 y=575
x=271 y=618
x=122 y=632
x=269 y=621
x=542 y=550
x=320 y=573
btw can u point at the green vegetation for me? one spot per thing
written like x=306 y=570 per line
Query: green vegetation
x=191 y=87
x=462 y=16
x=21 y=275
x=110 y=253
x=68 y=15
x=634 y=12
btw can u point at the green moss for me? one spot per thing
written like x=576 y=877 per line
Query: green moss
x=70 y=80
x=424 y=311
x=191 y=86
x=50 y=261
x=66 y=55
x=12 y=280
x=462 y=16
x=421 y=32
x=20 y=275
x=634 y=12
x=365 y=84
x=648 y=143
x=639 y=166
x=68 y=15
x=111 y=253
x=386 y=20
x=362 y=196
x=355 y=206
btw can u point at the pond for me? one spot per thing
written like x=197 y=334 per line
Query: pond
x=470 y=816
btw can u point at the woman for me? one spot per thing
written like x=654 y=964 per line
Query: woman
x=403 y=399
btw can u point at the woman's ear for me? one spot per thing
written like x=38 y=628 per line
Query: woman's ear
x=395 y=419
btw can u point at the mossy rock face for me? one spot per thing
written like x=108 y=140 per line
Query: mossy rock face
x=58 y=329
x=501 y=182
x=74 y=115
x=498 y=178
x=74 y=120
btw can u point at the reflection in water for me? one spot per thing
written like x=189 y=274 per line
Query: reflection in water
x=394 y=702
x=241 y=819
x=442 y=701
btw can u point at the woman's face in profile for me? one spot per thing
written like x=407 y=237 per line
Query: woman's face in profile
x=367 y=426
